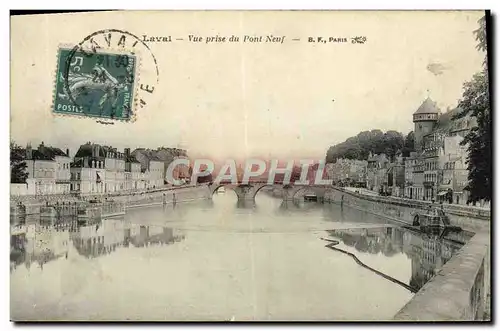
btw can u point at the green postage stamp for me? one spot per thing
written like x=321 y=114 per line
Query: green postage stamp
x=95 y=84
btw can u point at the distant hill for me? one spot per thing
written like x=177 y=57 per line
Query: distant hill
x=374 y=141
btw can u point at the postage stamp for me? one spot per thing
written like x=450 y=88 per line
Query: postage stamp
x=95 y=84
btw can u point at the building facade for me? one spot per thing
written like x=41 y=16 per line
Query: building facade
x=347 y=172
x=437 y=171
x=376 y=173
x=97 y=169
x=152 y=166
x=48 y=170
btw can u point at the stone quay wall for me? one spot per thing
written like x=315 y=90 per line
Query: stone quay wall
x=176 y=195
x=469 y=218
x=36 y=206
x=460 y=291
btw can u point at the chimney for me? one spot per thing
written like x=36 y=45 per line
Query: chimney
x=127 y=152
x=95 y=150
x=67 y=152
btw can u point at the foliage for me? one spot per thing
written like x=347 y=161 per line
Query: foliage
x=481 y=38
x=409 y=144
x=366 y=142
x=18 y=165
x=475 y=102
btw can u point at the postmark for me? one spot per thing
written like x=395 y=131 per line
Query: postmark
x=101 y=78
x=96 y=86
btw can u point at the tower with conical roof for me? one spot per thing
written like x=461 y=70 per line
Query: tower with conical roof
x=425 y=118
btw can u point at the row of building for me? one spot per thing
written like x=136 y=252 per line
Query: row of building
x=435 y=171
x=97 y=169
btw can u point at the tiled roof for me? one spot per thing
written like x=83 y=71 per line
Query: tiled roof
x=77 y=164
x=131 y=159
x=102 y=151
x=427 y=107
x=445 y=122
x=47 y=153
x=86 y=150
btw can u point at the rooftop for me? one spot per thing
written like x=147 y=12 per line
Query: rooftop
x=427 y=107
x=46 y=153
x=100 y=151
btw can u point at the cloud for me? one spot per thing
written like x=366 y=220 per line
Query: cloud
x=437 y=68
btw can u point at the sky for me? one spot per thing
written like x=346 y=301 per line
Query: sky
x=240 y=100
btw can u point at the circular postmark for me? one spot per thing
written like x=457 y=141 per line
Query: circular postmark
x=108 y=75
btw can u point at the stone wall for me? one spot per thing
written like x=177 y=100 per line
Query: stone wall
x=403 y=210
x=460 y=291
x=166 y=196
x=152 y=197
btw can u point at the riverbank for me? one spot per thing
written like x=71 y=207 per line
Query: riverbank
x=469 y=218
x=26 y=206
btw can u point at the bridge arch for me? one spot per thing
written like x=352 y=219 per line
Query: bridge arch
x=215 y=187
x=296 y=191
x=260 y=187
x=289 y=192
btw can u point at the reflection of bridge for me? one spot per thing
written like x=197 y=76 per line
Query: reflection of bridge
x=289 y=192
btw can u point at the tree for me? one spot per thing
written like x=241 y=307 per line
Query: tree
x=18 y=164
x=481 y=39
x=409 y=144
x=366 y=142
x=475 y=102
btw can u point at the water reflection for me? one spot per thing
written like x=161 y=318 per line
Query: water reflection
x=212 y=260
x=428 y=251
x=246 y=204
x=48 y=240
x=39 y=243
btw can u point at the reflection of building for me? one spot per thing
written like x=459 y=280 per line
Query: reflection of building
x=40 y=244
x=99 y=239
x=385 y=240
x=427 y=252
x=141 y=236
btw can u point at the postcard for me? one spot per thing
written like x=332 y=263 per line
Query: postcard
x=241 y=166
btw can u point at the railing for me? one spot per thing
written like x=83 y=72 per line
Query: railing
x=473 y=211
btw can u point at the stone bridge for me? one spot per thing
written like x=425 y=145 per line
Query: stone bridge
x=286 y=192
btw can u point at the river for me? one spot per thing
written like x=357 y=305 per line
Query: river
x=220 y=260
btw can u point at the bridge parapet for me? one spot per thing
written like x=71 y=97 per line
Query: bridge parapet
x=248 y=191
